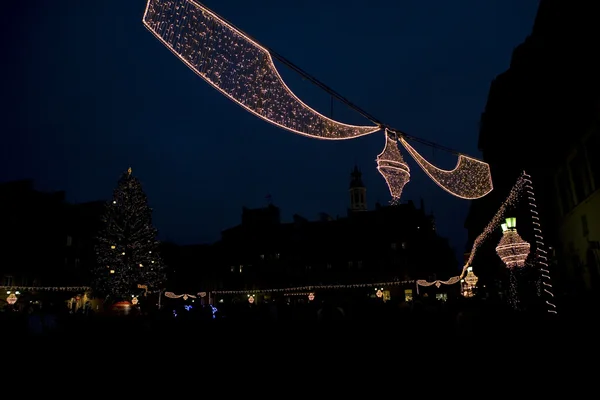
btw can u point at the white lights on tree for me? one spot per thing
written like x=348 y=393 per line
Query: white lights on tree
x=392 y=167
x=512 y=249
x=238 y=67
x=470 y=179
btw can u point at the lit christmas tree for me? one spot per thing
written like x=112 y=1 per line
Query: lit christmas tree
x=127 y=249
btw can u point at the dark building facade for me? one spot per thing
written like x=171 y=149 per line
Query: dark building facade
x=388 y=243
x=542 y=116
x=45 y=241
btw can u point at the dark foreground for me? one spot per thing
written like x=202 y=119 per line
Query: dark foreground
x=385 y=323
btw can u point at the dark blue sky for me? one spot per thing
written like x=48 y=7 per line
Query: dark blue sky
x=92 y=92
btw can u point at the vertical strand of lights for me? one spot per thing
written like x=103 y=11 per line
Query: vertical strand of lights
x=541 y=255
x=392 y=167
x=513 y=292
x=239 y=68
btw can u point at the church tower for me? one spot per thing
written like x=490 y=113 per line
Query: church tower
x=358 y=191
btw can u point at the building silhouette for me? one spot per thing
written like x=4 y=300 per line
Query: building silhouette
x=542 y=115
x=387 y=243
x=45 y=241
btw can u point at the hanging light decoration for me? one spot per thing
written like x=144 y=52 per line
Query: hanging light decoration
x=512 y=249
x=471 y=279
x=11 y=299
x=391 y=165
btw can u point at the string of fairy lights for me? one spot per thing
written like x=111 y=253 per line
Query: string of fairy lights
x=496 y=221
x=541 y=255
x=243 y=70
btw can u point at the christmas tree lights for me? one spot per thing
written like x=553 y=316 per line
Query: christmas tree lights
x=127 y=249
x=392 y=167
x=238 y=67
x=470 y=179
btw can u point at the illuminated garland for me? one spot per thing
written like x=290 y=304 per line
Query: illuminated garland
x=172 y=295
x=392 y=167
x=510 y=201
x=541 y=255
x=47 y=288
x=243 y=71
x=523 y=185
x=238 y=67
x=470 y=179
x=438 y=283
x=312 y=288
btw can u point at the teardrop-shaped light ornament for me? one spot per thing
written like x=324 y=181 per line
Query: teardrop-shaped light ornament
x=392 y=167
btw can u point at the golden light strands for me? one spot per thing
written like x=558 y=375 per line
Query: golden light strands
x=471 y=279
x=172 y=295
x=510 y=201
x=470 y=179
x=438 y=283
x=469 y=283
x=392 y=167
x=541 y=255
x=315 y=288
x=512 y=249
x=238 y=67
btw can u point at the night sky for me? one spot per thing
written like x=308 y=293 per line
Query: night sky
x=91 y=92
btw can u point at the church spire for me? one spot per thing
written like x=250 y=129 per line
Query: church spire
x=358 y=191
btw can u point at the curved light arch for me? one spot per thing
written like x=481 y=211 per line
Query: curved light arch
x=470 y=179
x=239 y=68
